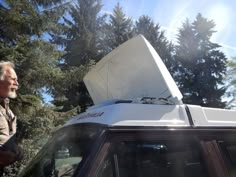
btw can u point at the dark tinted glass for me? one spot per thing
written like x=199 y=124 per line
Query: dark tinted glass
x=153 y=159
x=228 y=149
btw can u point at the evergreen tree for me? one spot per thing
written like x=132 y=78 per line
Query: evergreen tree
x=82 y=42
x=23 y=27
x=201 y=65
x=81 y=37
x=22 y=30
x=153 y=33
x=231 y=83
x=119 y=29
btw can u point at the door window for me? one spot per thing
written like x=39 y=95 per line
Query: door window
x=64 y=153
x=153 y=159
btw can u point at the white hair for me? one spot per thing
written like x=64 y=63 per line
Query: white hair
x=2 y=68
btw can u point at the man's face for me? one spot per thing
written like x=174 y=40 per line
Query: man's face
x=9 y=84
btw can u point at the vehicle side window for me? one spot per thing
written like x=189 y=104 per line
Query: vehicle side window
x=61 y=158
x=67 y=158
x=106 y=168
x=62 y=162
x=153 y=159
x=228 y=150
x=65 y=153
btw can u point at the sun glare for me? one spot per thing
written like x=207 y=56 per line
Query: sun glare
x=220 y=14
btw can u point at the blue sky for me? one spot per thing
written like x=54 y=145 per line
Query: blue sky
x=171 y=13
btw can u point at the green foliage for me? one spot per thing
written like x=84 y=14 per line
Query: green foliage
x=87 y=38
x=119 y=29
x=23 y=28
x=70 y=92
x=82 y=42
x=80 y=38
x=201 y=66
x=231 y=83
x=21 y=41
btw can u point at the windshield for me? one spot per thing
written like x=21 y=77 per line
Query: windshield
x=64 y=152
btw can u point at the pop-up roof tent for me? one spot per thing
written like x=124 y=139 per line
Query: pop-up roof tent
x=133 y=70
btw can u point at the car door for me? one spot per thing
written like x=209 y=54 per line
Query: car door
x=161 y=153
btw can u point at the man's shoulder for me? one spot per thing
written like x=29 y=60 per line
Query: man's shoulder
x=1 y=112
x=5 y=114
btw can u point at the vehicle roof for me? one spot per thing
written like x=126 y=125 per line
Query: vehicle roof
x=126 y=114
x=136 y=114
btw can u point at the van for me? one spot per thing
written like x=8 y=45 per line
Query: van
x=139 y=126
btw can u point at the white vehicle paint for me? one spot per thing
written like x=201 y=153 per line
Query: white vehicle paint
x=134 y=115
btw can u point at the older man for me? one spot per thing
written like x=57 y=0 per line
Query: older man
x=8 y=85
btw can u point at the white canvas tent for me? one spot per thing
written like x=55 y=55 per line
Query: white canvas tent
x=133 y=70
